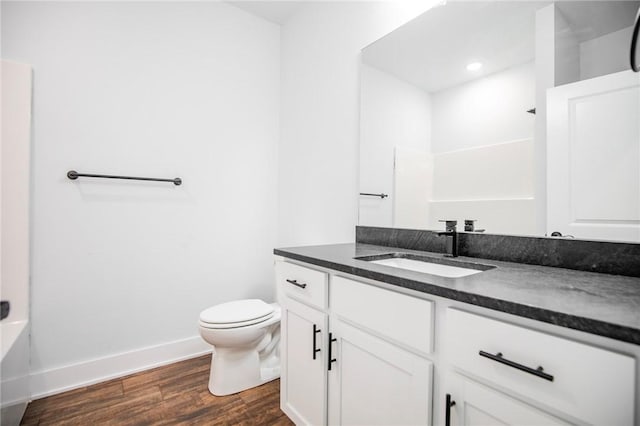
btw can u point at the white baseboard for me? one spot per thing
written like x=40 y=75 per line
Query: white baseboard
x=57 y=380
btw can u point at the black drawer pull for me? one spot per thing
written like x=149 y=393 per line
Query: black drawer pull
x=447 y=410
x=296 y=283
x=316 y=330
x=536 y=372
x=331 y=360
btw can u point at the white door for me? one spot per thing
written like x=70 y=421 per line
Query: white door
x=372 y=382
x=478 y=405
x=593 y=158
x=303 y=374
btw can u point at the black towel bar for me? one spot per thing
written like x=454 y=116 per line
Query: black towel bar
x=374 y=195
x=73 y=175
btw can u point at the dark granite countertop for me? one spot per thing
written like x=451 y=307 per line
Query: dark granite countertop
x=603 y=304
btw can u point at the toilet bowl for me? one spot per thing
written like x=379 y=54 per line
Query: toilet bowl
x=245 y=335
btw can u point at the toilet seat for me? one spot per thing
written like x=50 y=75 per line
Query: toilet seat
x=239 y=313
x=235 y=324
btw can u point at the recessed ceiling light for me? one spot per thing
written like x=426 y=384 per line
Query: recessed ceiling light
x=474 y=66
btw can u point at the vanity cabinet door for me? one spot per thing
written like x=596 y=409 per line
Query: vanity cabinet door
x=372 y=382
x=302 y=386
x=473 y=404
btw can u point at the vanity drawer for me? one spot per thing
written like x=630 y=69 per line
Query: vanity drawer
x=401 y=318
x=589 y=383
x=301 y=283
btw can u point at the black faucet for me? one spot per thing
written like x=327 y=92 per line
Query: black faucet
x=452 y=243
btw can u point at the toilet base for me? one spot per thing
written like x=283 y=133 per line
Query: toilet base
x=233 y=372
x=243 y=357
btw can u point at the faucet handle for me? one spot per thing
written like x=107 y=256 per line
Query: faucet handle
x=450 y=225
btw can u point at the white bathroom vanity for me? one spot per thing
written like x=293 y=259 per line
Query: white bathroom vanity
x=357 y=350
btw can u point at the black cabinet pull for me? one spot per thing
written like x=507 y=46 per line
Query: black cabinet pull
x=296 y=283
x=447 y=410
x=539 y=372
x=316 y=330
x=331 y=360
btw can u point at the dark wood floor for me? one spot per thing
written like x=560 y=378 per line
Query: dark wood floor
x=170 y=395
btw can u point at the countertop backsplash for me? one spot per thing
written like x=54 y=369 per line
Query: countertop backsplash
x=582 y=255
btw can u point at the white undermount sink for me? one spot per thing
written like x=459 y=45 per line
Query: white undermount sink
x=428 y=266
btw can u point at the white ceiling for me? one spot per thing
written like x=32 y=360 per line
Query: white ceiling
x=277 y=12
x=591 y=19
x=432 y=51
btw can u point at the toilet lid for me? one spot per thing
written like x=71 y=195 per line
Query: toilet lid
x=238 y=312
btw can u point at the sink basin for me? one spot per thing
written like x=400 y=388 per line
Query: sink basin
x=429 y=265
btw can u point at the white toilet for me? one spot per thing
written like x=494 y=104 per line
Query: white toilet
x=245 y=335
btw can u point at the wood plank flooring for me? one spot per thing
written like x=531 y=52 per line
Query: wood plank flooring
x=175 y=394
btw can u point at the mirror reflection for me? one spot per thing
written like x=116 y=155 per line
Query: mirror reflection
x=522 y=116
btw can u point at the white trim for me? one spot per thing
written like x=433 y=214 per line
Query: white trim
x=62 y=379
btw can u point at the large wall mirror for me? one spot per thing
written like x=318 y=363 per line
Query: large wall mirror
x=522 y=116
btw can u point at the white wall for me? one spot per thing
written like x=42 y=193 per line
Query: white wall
x=473 y=115
x=482 y=153
x=318 y=152
x=148 y=89
x=606 y=54
x=566 y=62
x=393 y=114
